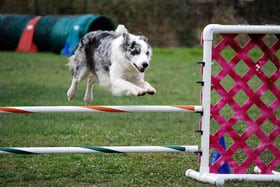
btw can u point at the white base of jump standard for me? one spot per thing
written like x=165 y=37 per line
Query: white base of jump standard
x=219 y=179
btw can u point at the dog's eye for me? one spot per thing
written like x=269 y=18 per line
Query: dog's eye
x=147 y=53
x=135 y=49
x=133 y=44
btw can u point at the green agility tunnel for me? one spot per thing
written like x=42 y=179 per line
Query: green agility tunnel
x=11 y=28
x=59 y=34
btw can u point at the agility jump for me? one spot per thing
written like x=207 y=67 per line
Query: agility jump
x=212 y=112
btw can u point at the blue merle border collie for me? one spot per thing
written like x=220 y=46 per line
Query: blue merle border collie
x=115 y=60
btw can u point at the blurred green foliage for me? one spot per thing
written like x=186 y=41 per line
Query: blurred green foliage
x=166 y=23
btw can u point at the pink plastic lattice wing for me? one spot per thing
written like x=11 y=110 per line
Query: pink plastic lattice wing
x=253 y=103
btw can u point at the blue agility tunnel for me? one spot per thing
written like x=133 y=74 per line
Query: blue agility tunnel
x=58 y=34
x=80 y=27
x=83 y=25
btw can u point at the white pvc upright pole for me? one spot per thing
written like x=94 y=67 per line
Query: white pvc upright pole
x=206 y=101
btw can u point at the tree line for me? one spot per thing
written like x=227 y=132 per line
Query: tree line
x=166 y=23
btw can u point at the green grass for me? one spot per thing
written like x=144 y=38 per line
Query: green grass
x=43 y=79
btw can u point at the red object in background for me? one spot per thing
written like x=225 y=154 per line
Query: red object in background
x=26 y=40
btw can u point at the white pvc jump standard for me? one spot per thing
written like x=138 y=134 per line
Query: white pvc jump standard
x=204 y=174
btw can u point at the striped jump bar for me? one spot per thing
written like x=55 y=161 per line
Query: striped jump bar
x=84 y=109
x=98 y=149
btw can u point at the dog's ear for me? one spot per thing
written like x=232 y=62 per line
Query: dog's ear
x=121 y=29
x=142 y=37
x=125 y=39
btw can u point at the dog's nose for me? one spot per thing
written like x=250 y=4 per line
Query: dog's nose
x=145 y=64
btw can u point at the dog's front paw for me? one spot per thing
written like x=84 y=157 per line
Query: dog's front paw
x=141 y=93
x=151 y=91
x=71 y=94
x=87 y=101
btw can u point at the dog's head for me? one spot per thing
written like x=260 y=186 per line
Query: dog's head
x=137 y=51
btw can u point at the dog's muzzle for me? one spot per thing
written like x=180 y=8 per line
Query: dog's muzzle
x=142 y=69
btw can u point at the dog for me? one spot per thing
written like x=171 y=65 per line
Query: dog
x=116 y=60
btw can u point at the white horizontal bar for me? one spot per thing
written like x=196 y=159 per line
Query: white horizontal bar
x=76 y=109
x=98 y=149
x=212 y=29
x=250 y=177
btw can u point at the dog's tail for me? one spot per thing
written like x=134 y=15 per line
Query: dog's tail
x=120 y=30
x=70 y=63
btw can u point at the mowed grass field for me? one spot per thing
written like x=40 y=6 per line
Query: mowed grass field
x=42 y=79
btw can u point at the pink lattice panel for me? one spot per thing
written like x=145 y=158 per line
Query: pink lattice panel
x=267 y=142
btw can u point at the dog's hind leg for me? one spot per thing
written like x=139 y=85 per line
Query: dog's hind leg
x=80 y=74
x=89 y=92
x=71 y=93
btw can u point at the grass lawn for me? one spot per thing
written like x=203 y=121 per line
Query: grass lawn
x=43 y=79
